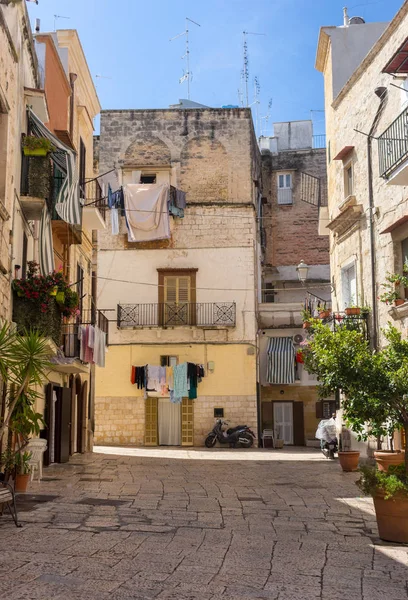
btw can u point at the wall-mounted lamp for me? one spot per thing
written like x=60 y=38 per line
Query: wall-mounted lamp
x=302 y=270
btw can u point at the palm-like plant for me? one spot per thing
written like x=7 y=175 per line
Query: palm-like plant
x=24 y=363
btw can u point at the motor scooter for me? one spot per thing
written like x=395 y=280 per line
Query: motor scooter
x=239 y=436
x=327 y=434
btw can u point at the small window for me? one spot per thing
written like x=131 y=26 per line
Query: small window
x=148 y=178
x=284 y=188
x=268 y=295
x=218 y=413
x=168 y=361
x=348 y=181
x=349 y=285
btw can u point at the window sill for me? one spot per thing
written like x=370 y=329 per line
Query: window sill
x=347 y=202
x=399 y=312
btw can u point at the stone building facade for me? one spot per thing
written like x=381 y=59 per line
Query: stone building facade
x=366 y=93
x=19 y=86
x=294 y=191
x=212 y=155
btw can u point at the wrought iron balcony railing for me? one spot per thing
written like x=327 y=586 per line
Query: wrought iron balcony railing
x=340 y=320
x=169 y=314
x=70 y=338
x=393 y=144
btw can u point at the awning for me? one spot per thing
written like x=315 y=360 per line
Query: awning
x=281 y=361
x=343 y=153
x=395 y=225
x=68 y=204
x=399 y=62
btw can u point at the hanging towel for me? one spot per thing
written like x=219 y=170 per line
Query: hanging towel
x=153 y=378
x=180 y=381
x=181 y=199
x=99 y=347
x=147 y=213
x=192 y=378
x=115 y=221
x=281 y=360
x=133 y=375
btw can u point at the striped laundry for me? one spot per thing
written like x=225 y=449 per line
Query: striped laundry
x=67 y=204
x=281 y=360
x=46 y=252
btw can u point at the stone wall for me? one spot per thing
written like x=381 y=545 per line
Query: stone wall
x=355 y=109
x=121 y=420
x=292 y=230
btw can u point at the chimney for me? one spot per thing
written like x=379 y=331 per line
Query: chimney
x=346 y=20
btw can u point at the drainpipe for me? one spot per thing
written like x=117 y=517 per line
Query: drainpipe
x=72 y=79
x=381 y=92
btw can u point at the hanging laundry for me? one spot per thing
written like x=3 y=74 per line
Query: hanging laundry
x=133 y=375
x=115 y=221
x=180 y=382
x=181 y=199
x=192 y=379
x=99 y=347
x=154 y=375
x=146 y=209
x=176 y=207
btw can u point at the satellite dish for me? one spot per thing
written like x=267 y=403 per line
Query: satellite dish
x=357 y=21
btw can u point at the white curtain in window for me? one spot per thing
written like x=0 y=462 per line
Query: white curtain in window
x=169 y=423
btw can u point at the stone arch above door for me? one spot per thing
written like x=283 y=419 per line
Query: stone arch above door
x=147 y=151
x=204 y=170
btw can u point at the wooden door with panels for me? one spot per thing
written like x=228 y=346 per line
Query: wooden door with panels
x=151 y=415
x=177 y=297
x=187 y=422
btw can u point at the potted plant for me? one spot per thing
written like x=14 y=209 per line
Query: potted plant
x=306 y=317
x=352 y=310
x=375 y=391
x=279 y=442
x=23 y=471
x=389 y=491
x=393 y=281
x=37 y=146
x=324 y=312
x=24 y=364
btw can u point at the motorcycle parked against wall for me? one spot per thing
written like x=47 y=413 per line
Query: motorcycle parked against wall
x=326 y=433
x=239 y=436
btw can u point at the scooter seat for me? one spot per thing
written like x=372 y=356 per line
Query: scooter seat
x=232 y=429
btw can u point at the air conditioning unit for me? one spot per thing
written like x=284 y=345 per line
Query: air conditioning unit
x=298 y=338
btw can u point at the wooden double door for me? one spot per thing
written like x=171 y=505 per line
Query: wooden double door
x=286 y=418
x=154 y=422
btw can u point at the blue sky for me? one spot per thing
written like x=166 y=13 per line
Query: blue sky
x=127 y=42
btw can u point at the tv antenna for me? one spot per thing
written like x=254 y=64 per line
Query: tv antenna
x=187 y=76
x=56 y=17
x=245 y=68
x=266 y=118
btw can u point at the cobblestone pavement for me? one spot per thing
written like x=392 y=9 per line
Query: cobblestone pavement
x=187 y=525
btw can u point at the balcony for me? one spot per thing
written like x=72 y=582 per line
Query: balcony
x=93 y=211
x=285 y=196
x=393 y=151
x=198 y=314
x=319 y=141
x=67 y=234
x=339 y=320
x=70 y=340
x=35 y=185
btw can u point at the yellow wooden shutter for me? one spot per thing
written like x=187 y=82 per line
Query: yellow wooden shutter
x=187 y=422
x=151 y=422
x=403 y=440
x=177 y=289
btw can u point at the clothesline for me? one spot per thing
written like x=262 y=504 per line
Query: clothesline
x=178 y=382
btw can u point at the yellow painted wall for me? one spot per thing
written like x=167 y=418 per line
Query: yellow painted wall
x=295 y=393
x=234 y=373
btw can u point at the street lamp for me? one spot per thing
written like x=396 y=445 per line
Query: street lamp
x=302 y=270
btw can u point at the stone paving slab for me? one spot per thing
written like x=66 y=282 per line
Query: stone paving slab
x=191 y=524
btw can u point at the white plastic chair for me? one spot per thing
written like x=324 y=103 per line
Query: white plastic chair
x=269 y=433
x=37 y=447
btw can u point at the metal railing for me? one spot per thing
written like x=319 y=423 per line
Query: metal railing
x=393 y=144
x=169 y=314
x=319 y=141
x=71 y=344
x=340 y=320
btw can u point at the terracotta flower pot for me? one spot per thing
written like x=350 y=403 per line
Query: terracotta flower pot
x=22 y=482
x=306 y=325
x=386 y=459
x=324 y=314
x=392 y=518
x=355 y=310
x=349 y=460
x=399 y=301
